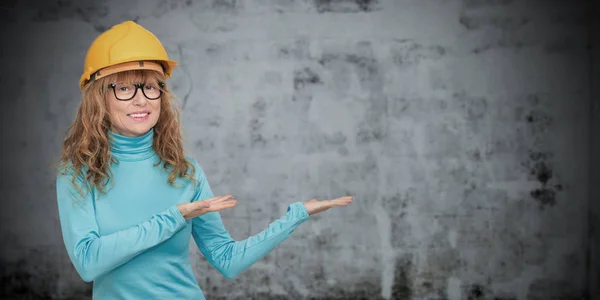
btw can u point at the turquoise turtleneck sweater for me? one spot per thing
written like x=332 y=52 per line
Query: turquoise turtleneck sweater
x=133 y=242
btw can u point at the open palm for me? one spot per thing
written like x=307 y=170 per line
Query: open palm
x=198 y=208
x=316 y=206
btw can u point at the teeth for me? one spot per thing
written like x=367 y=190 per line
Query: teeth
x=138 y=115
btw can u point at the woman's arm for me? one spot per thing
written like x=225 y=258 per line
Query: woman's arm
x=232 y=257
x=94 y=255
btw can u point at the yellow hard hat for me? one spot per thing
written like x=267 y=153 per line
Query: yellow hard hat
x=125 y=46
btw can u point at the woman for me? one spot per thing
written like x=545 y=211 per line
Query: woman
x=129 y=199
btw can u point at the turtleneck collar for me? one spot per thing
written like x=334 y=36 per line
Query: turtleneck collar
x=127 y=148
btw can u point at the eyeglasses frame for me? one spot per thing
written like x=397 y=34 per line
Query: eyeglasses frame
x=137 y=86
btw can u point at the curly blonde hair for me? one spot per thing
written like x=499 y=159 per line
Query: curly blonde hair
x=86 y=148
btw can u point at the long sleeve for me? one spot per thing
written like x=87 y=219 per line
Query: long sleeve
x=94 y=255
x=232 y=257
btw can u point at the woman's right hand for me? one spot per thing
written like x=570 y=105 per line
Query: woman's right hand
x=198 y=208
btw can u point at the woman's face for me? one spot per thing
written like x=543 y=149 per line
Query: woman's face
x=133 y=117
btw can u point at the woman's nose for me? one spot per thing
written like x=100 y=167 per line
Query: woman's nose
x=139 y=99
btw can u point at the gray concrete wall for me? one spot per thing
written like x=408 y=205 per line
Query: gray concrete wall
x=594 y=215
x=461 y=128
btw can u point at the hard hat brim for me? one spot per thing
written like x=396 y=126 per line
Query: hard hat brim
x=134 y=65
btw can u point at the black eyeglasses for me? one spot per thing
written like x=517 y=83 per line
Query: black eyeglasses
x=126 y=91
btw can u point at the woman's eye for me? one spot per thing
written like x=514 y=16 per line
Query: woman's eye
x=124 y=89
x=150 y=87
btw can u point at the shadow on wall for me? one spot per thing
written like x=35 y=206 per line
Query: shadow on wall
x=37 y=278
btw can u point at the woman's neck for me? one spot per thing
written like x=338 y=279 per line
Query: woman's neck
x=131 y=148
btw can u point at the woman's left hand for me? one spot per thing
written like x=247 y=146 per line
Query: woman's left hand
x=316 y=206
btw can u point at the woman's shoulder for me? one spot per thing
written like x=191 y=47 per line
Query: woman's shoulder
x=67 y=169
x=193 y=161
x=198 y=170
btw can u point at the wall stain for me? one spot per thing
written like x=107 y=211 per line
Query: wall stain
x=537 y=118
x=257 y=113
x=204 y=145
x=507 y=43
x=544 y=196
x=507 y=26
x=474 y=154
x=560 y=290
x=542 y=172
x=305 y=77
x=187 y=75
x=36 y=278
x=366 y=133
x=407 y=53
x=540 y=169
x=539 y=163
x=227 y=6
x=361 y=65
x=297 y=51
x=403 y=282
x=479 y=292
x=475 y=293
x=346 y=6
x=397 y=204
x=535 y=115
x=474 y=4
x=502 y=23
x=474 y=108
x=167 y=6
x=365 y=290
x=539 y=121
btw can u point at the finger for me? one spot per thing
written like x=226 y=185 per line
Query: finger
x=224 y=205
x=223 y=202
x=345 y=198
x=213 y=198
x=342 y=201
x=220 y=198
x=346 y=201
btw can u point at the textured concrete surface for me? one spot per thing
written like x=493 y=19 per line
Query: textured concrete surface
x=594 y=213
x=461 y=128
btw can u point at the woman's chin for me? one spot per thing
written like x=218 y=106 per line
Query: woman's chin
x=135 y=130
x=142 y=131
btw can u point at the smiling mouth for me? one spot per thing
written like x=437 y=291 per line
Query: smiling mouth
x=139 y=115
